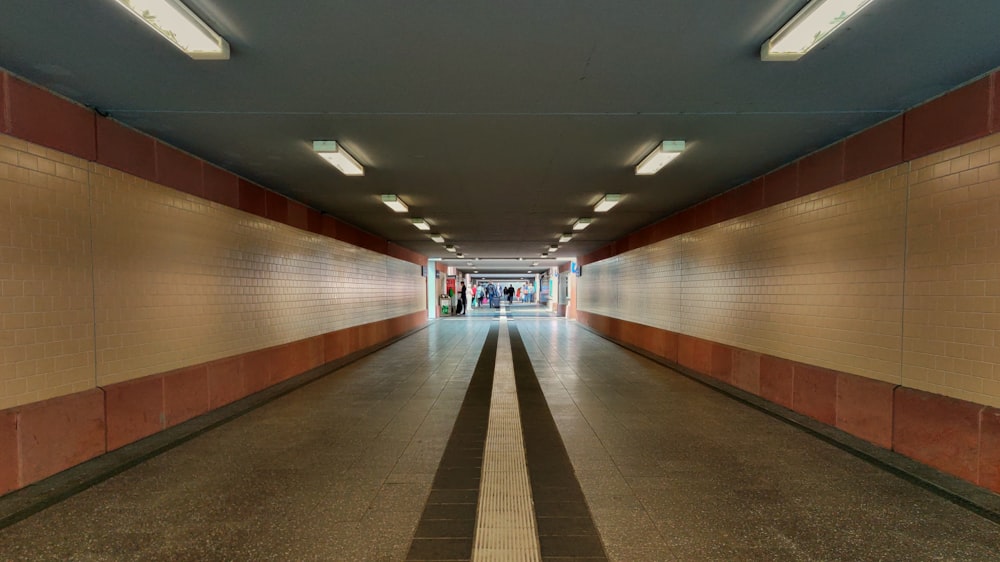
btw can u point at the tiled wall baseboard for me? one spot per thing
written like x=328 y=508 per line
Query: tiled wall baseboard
x=955 y=436
x=40 y=439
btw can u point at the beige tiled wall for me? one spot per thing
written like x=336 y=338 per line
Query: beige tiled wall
x=951 y=337
x=177 y=280
x=822 y=279
x=46 y=294
x=817 y=280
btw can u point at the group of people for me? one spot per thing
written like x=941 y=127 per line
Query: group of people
x=492 y=294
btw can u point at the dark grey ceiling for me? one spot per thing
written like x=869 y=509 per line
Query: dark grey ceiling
x=500 y=122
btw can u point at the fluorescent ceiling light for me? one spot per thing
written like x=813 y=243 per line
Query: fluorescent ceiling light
x=544 y=255
x=394 y=203
x=338 y=157
x=437 y=238
x=460 y=255
x=654 y=161
x=450 y=248
x=606 y=202
x=581 y=224
x=553 y=248
x=566 y=237
x=179 y=25
x=421 y=224
x=808 y=28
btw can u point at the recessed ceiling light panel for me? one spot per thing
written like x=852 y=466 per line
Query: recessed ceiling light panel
x=607 y=202
x=808 y=28
x=335 y=154
x=421 y=224
x=581 y=224
x=179 y=25
x=437 y=238
x=566 y=237
x=394 y=203
x=656 y=160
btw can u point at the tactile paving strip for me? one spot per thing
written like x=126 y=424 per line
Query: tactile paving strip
x=505 y=518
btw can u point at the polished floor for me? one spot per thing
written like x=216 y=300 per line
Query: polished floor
x=343 y=468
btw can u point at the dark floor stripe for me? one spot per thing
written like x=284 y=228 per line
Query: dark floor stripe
x=565 y=527
x=448 y=524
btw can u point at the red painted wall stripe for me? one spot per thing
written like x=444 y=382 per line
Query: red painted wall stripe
x=939 y=431
x=41 y=117
x=277 y=207
x=8 y=452
x=179 y=170
x=298 y=215
x=59 y=433
x=995 y=97
x=133 y=410
x=954 y=118
x=989 y=449
x=221 y=186
x=314 y=221
x=253 y=198
x=874 y=149
x=781 y=185
x=4 y=106
x=125 y=149
x=822 y=169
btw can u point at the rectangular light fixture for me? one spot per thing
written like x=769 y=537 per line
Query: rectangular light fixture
x=437 y=238
x=553 y=248
x=394 y=203
x=809 y=28
x=179 y=25
x=450 y=248
x=581 y=224
x=421 y=224
x=544 y=255
x=607 y=202
x=566 y=237
x=460 y=255
x=338 y=158
x=654 y=161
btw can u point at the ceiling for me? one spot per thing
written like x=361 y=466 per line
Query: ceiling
x=500 y=122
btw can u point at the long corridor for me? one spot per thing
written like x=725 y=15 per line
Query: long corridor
x=347 y=468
